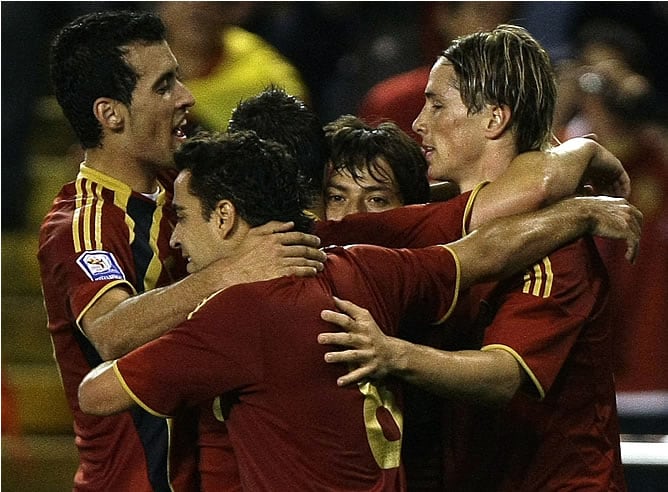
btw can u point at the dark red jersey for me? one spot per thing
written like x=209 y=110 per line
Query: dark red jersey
x=561 y=430
x=97 y=236
x=249 y=356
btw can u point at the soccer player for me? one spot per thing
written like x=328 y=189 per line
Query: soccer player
x=371 y=169
x=291 y=427
x=110 y=279
x=542 y=407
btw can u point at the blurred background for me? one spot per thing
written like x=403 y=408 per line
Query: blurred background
x=365 y=58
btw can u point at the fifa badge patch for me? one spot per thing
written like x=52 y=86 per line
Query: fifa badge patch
x=100 y=265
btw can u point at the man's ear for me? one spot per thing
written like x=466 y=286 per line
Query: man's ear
x=225 y=214
x=499 y=121
x=109 y=112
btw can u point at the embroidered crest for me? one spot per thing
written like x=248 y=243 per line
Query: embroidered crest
x=100 y=265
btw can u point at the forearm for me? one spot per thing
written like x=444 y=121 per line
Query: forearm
x=506 y=246
x=100 y=392
x=116 y=325
x=490 y=377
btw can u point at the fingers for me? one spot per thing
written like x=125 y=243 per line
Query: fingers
x=340 y=319
x=303 y=256
x=353 y=310
x=274 y=226
x=298 y=238
x=591 y=136
x=355 y=376
x=632 y=248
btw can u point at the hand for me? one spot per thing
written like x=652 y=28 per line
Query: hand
x=274 y=250
x=370 y=350
x=606 y=173
x=615 y=218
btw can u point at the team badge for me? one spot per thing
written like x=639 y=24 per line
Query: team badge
x=100 y=265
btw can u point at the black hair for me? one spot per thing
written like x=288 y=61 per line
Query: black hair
x=276 y=115
x=356 y=146
x=260 y=177
x=87 y=61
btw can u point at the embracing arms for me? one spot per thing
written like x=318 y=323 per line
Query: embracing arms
x=497 y=249
x=118 y=321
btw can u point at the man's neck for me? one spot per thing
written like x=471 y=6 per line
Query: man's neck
x=490 y=166
x=139 y=177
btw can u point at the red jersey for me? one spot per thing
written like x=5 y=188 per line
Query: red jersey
x=560 y=432
x=549 y=320
x=249 y=356
x=98 y=235
x=411 y=226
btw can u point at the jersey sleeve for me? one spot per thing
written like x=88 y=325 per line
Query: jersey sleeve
x=190 y=364
x=543 y=311
x=411 y=226
x=84 y=272
x=420 y=284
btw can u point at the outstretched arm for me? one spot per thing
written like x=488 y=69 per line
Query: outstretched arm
x=490 y=377
x=118 y=321
x=507 y=245
x=514 y=242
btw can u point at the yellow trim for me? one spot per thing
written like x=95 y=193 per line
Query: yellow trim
x=78 y=201
x=520 y=361
x=549 y=277
x=541 y=280
x=469 y=206
x=455 y=297
x=99 y=203
x=127 y=389
x=538 y=275
x=217 y=409
x=99 y=294
x=527 y=282
x=203 y=302
x=155 y=266
x=170 y=432
x=105 y=180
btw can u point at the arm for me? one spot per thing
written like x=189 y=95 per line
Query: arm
x=535 y=179
x=490 y=377
x=101 y=392
x=118 y=321
x=507 y=245
x=485 y=254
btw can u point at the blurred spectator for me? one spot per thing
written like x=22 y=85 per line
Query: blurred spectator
x=608 y=90
x=401 y=97
x=221 y=62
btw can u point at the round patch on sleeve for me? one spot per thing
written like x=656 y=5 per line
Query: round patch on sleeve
x=100 y=265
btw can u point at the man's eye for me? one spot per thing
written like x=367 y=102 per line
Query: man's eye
x=334 y=198
x=379 y=200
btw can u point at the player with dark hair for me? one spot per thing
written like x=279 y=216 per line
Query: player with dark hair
x=291 y=427
x=110 y=279
x=372 y=168
x=274 y=114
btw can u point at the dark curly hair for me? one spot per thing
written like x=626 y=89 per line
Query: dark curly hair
x=260 y=177
x=356 y=146
x=87 y=61
x=276 y=115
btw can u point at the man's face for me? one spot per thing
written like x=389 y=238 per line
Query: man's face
x=344 y=195
x=451 y=139
x=199 y=239
x=159 y=105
